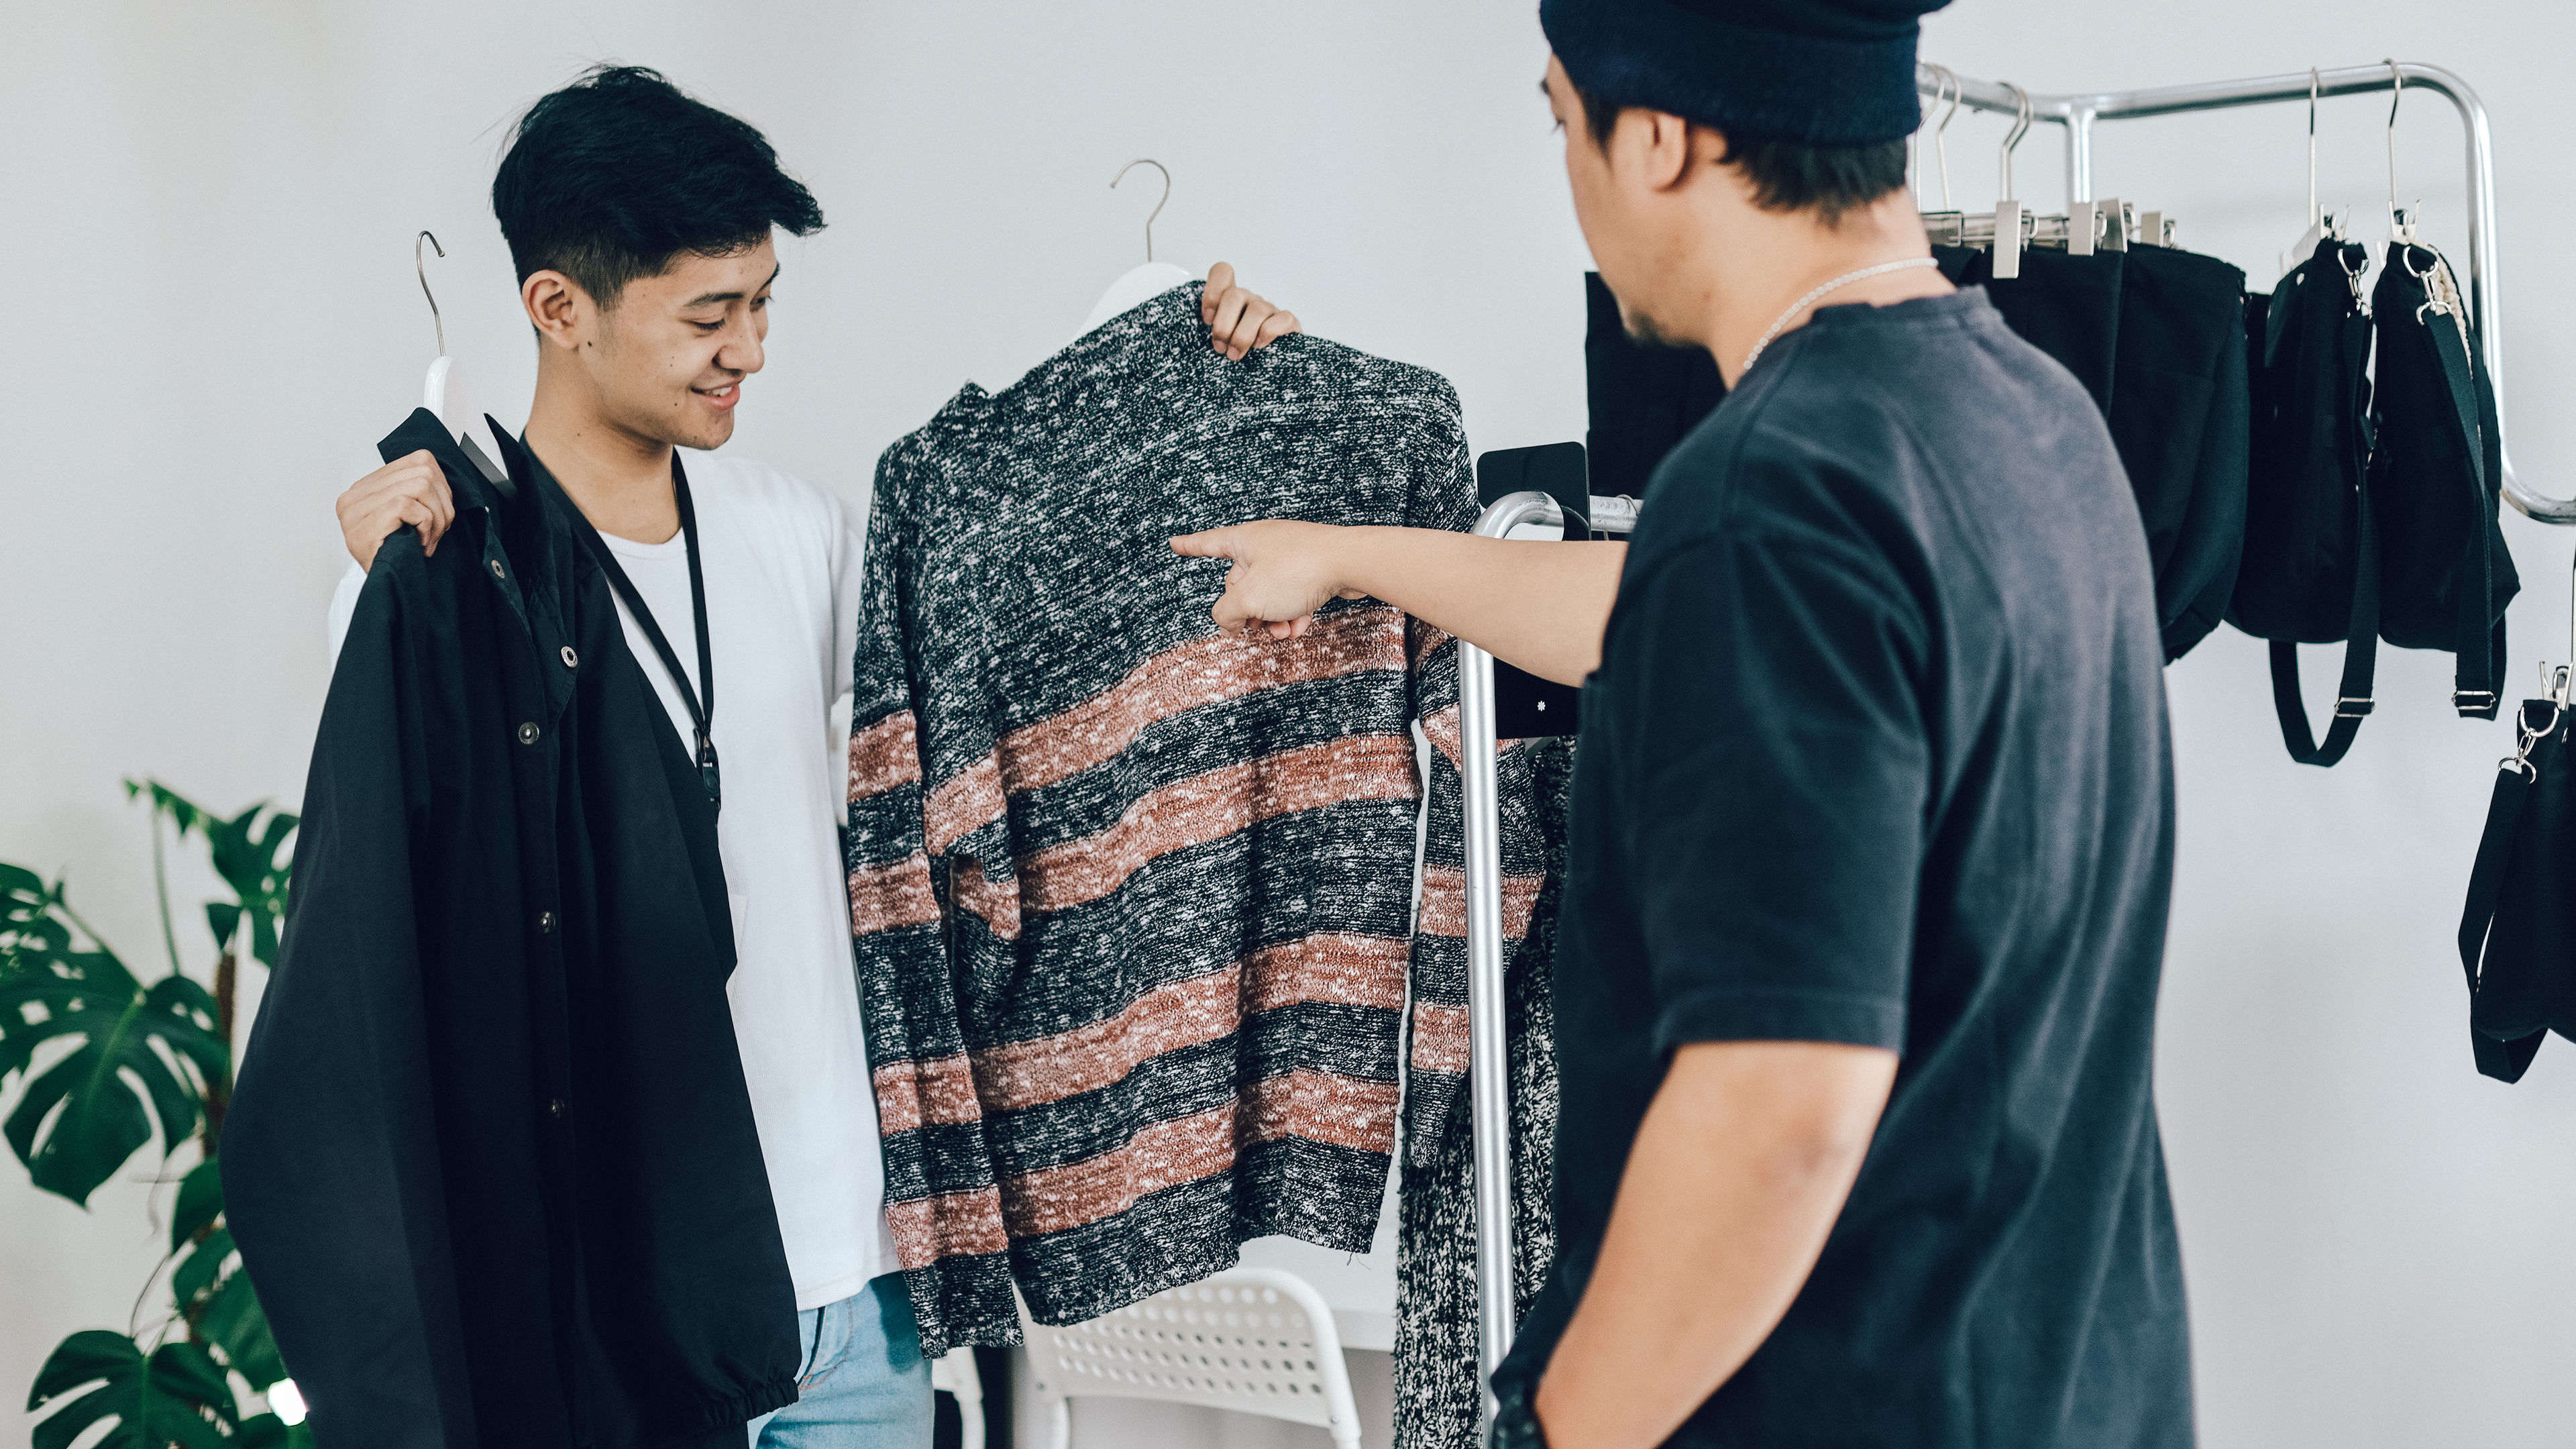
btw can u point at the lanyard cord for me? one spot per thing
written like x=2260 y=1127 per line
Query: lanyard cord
x=701 y=714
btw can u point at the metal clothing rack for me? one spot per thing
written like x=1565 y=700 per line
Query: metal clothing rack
x=2078 y=112
x=1488 y=1053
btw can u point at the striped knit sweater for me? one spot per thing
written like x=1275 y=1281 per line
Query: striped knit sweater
x=1132 y=899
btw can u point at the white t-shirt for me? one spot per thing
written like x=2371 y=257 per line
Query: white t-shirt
x=782 y=580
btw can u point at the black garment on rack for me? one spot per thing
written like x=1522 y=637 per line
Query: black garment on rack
x=2310 y=573
x=2066 y=306
x=2179 y=416
x=490 y=1160
x=2518 y=932
x=2436 y=466
x=1643 y=398
x=2152 y=334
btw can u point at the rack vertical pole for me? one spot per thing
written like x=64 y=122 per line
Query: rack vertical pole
x=1488 y=1047
x=1488 y=1050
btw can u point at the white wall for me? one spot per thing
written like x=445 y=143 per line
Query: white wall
x=205 y=222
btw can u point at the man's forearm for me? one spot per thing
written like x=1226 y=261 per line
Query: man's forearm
x=1537 y=604
x=1738 y=1172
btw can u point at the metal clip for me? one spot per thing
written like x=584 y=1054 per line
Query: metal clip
x=2350 y=708
x=2473 y=701
x=2530 y=735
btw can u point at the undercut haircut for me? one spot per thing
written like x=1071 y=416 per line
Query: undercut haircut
x=1830 y=181
x=613 y=177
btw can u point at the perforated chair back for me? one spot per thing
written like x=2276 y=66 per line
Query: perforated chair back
x=955 y=1376
x=1254 y=1340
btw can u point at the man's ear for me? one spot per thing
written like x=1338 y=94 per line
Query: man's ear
x=1662 y=145
x=557 y=307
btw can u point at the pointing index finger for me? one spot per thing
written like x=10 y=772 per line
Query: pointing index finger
x=1212 y=543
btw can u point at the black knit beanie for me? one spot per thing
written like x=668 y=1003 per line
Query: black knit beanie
x=1815 y=72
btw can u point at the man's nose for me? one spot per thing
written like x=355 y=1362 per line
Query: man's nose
x=742 y=353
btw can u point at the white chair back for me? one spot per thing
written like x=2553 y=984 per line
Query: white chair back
x=1253 y=1340
x=955 y=1376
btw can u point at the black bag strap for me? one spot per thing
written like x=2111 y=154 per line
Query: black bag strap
x=2505 y=1061
x=2478 y=650
x=2360 y=662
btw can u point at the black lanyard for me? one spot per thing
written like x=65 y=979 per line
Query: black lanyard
x=702 y=715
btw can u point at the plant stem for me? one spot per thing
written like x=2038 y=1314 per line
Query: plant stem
x=161 y=888
x=220 y=1091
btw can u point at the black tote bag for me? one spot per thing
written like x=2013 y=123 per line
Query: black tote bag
x=2518 y=934
x=2436 y=468
x=2309 y=573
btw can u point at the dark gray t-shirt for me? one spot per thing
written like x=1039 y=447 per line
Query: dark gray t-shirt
x=1877 y=754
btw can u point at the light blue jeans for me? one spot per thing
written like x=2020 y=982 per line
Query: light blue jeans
x=864 y=1384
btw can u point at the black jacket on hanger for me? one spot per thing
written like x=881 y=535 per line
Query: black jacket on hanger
x=490 y=1161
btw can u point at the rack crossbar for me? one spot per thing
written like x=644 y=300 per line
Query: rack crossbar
x=2078 y=111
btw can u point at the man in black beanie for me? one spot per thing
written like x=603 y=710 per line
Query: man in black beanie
x=1873 y=813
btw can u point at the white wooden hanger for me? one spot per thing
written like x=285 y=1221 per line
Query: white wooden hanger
x=446 y=392
x=1150 y=280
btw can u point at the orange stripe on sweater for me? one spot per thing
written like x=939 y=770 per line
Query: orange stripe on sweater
x=1444 y=902
x=1346 y=969
x=1212 y=806
x=1320 y=1106
x=1182 y=678
x=885 y=755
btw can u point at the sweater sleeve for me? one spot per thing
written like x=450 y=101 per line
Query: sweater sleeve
x=942 y=1202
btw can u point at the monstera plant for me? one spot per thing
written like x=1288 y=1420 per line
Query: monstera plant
x=106 y=1065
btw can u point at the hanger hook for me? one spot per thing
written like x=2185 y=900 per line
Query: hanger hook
x=1941 y=133
x=422 y=268
x=2396 y=94
x=1158 y=206
x=2022 y=115
x=2314 y=215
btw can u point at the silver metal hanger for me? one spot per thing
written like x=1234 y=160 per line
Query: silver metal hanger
x=2008 y=211
x=422 y=268
x=2401 y=220
x=1158 y=206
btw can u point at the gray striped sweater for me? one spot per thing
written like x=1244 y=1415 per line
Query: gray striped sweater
x=1132 y=899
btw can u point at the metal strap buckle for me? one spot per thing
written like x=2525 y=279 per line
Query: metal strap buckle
x=2350 y=708
x=2473 y=701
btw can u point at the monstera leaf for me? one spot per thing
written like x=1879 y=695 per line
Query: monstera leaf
x=80 y=1118
x=214 y=1294
x=177 y=1397
x=252 y=851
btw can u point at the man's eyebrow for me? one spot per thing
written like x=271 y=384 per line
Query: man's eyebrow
x=704 y=299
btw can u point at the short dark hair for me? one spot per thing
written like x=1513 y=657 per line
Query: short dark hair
x=611 y=177
x=1787 y=175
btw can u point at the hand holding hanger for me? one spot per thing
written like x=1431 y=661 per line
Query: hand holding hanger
x=1240 y=319
x=411 y=491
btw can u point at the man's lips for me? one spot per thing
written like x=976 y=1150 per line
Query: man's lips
x=722 y=398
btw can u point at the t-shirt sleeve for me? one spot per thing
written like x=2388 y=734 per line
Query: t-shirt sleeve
x=847 y=559
x=1778 y=785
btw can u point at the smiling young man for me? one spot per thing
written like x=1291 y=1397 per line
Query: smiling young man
x=640 y=224
x=1873 y=819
